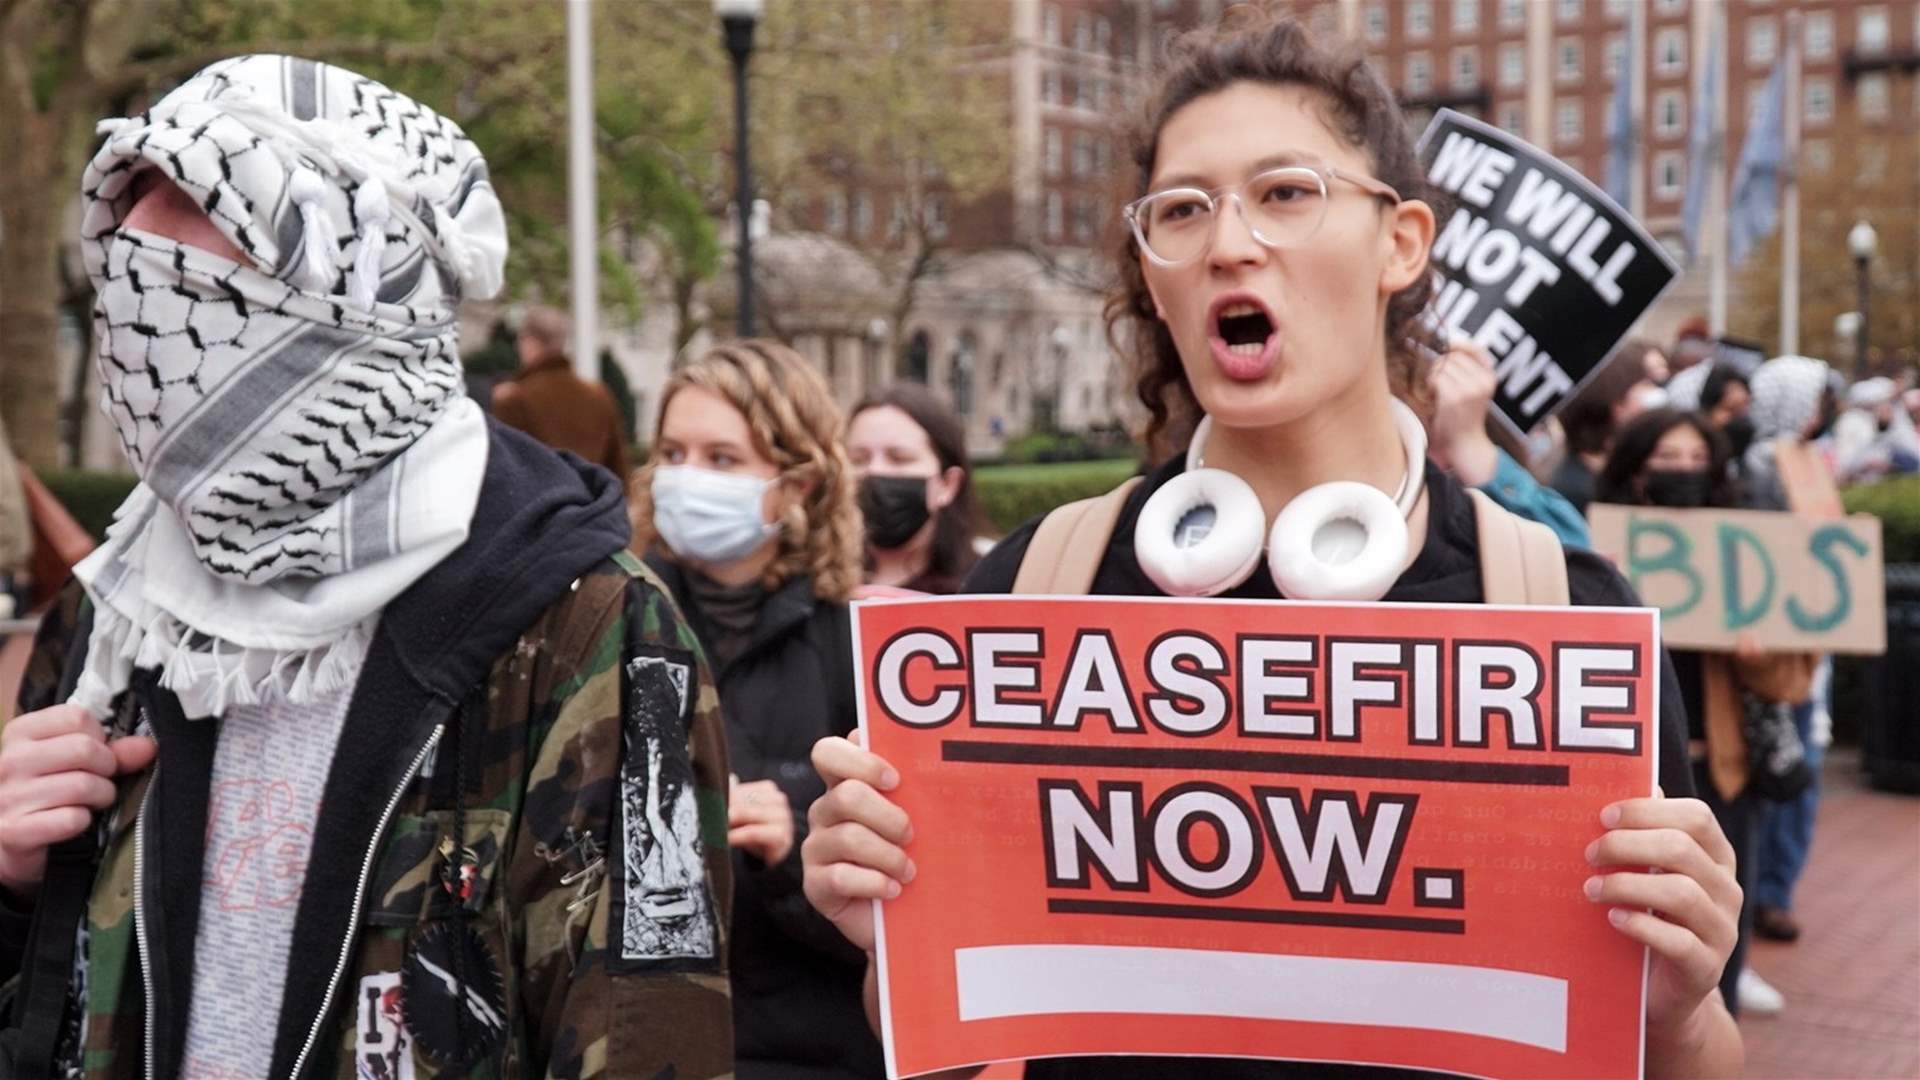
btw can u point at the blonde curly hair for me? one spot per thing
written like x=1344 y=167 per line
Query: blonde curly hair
x=796 y=425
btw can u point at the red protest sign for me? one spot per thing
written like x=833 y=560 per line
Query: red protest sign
x=1321 y=832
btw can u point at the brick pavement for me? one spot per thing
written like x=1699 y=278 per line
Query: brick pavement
x=1852 y=981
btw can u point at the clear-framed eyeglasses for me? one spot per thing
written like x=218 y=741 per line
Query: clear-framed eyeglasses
x=1282 y=208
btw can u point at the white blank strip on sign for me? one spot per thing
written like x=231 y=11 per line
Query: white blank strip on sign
x=1040 y=980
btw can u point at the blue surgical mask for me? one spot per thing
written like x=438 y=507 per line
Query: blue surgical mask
x=710 y=517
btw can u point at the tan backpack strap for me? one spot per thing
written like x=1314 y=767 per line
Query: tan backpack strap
x=1066 y=549
x=1521 y=561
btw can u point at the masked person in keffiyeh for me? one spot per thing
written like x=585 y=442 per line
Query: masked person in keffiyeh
x=416 y=706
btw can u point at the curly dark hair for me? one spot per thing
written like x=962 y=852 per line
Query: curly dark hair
x=1262 y=46
x=1619 y=480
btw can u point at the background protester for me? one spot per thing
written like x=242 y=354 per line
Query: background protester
x=746 y=510
x=1612 y=398
x=296 y=671
x=1267 y=341
x=1793 y=406
x=916 y=489
x=1461 y=441
x=1874 y=437
x=551 y=403
x=1677 y=459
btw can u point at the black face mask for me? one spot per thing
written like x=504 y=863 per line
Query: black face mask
x=1739 y=433
x=1679 y=488
x=895 y=508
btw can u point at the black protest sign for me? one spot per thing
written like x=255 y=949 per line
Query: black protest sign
x=1535 y=263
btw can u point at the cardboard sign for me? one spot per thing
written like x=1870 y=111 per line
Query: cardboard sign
x=1318 y=832
x=1536 y=264
x=1796 y=583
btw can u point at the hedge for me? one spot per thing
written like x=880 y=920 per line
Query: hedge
x=1010 y=494
x=91 y=497
x=1896 y=503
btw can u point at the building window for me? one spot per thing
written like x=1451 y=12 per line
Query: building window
x=1102 y=36
x=1668 y=170
x=1419 y=75
x=862 y=214
x=1083 y=220
x=1670 y=7
x=1872 y=91
x=934 y=216
x=1513 y=13
x=1819 y=35
x=1102 y=157
x=1466 y=16
x=1670 y=51
x=897 y=221
x=1670 y=112
x=1052 y=153
x=1819 y=154
x=1870 y=30
x=1093 y=94
x=1569 y=11
x=1513 y=118
x=1055 y=216
x=1050 y=88
x=1566 y=64
x=1466 y=68
x=1419 y=19
x=1763 y=42
x=1566 y=121
x=1819 y=101
x=1050 y=25
x=1082 y=154
x=1617 y=9
x=1377 y=23
x=1513 y=65
x=1083 y=33
x=1616 y=55
x=833 y=212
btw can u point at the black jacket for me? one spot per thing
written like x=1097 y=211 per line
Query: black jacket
x=797 y=1013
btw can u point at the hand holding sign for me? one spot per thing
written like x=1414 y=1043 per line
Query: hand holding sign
x=853 y=852
x=1669 y=855
x=1463 y=383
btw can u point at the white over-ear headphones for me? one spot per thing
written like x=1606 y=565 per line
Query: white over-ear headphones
x=1202 y=533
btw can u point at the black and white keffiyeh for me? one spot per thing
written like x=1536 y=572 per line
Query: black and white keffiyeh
x=298 y=420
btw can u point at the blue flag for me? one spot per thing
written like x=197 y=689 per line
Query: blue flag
x=1622 y=137
x=1702 y=144
x=1753 y=211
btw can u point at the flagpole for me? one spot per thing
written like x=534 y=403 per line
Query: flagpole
x=1637 y=96
x=1719 y=199
x=582 y=216
x=1790 y=213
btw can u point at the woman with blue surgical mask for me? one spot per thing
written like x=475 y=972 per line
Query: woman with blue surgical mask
x=746 y=510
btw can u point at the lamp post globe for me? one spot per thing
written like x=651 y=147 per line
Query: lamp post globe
x=1863 y=243
x=737 y=21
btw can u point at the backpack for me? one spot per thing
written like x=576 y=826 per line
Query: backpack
x=1521 y=562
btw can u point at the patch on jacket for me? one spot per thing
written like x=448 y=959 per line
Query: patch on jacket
x=663 y=909
x=452 y=1000
x=382 y=1049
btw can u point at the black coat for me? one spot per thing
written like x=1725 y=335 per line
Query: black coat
x=797 y=1013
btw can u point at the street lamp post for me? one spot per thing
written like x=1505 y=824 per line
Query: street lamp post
x=737 y=20
x=1863 y=242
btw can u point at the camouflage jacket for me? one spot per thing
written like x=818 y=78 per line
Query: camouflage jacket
x=554 y=845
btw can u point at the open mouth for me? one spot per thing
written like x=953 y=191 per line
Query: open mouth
x=1244 y=327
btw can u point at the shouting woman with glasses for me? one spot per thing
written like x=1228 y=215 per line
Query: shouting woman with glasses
x=1272 y=275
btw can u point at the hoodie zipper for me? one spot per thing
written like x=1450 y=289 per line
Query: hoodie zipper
x=359 y=895
x=140 y=910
